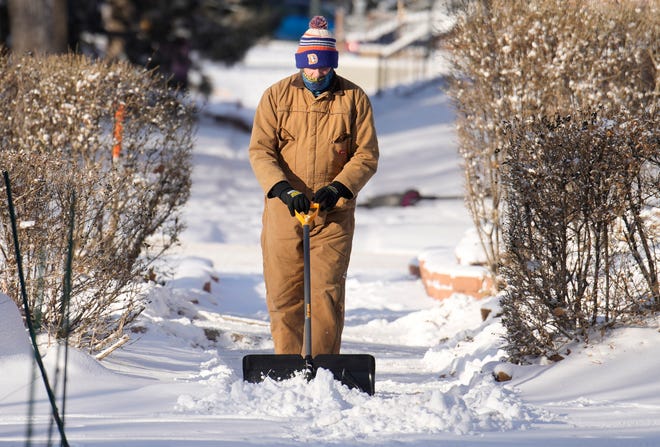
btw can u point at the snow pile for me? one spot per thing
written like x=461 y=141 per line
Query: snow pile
x=14 y=336
x=323 y=409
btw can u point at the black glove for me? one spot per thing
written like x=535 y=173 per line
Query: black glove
x=295 y=200
x=327 y=196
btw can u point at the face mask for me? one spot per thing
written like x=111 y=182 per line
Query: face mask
x=319 y=85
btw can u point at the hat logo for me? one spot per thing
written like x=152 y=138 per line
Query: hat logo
x=312 y=59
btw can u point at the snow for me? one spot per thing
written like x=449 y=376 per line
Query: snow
x=178 y=381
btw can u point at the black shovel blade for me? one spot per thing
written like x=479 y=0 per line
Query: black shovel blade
x=353 y=370
x=256 y=367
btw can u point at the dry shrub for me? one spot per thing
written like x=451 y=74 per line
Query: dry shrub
x=58 y=131
x=521 y=59
x=563 y=206
x=580 y=250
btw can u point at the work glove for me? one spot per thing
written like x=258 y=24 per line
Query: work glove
x=295 y=200
x=328 y=196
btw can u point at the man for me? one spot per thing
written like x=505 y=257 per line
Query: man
x=313 y=140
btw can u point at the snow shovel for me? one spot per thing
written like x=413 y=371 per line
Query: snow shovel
x=353 y=370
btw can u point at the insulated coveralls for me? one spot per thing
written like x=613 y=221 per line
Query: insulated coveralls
x=310 y=142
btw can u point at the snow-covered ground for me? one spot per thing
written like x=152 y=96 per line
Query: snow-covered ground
x=178 y=381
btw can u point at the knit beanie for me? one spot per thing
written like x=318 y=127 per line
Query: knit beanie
x=317 y=47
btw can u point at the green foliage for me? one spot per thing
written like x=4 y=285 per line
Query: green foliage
x=169 y=36
x=172 y=35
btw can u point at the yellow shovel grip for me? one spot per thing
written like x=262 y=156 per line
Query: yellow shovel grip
x=306 y=219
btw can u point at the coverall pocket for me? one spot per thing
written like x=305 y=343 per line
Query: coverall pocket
x=340 y=152
x=287 y=148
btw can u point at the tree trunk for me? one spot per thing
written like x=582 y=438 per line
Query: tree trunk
x=38 y=26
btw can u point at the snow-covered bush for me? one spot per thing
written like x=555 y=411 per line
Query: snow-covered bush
x=522 y=58
x=121 y=141
x=581 y=250
x=562 y=206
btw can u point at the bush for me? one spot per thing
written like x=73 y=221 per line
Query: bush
x=564 y=207
x=581 y=249
x=117 y=137
x=522 y=59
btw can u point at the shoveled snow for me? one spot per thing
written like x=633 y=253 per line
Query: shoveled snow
x=178 y=381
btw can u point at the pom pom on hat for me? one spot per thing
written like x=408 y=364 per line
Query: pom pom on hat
x=318 y=22
x=317 y=47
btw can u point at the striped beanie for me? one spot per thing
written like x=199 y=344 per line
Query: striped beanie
x=317 y=46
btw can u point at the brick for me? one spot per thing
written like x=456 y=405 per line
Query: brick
x=441 y=283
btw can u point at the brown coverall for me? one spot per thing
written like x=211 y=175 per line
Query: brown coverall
x=310 y=142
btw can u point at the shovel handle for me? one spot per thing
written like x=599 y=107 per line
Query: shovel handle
x=306 y=219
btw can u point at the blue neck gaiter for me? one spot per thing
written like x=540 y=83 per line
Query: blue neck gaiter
x=320 y=85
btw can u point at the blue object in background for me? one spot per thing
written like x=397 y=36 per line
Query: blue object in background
x=296 y=19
